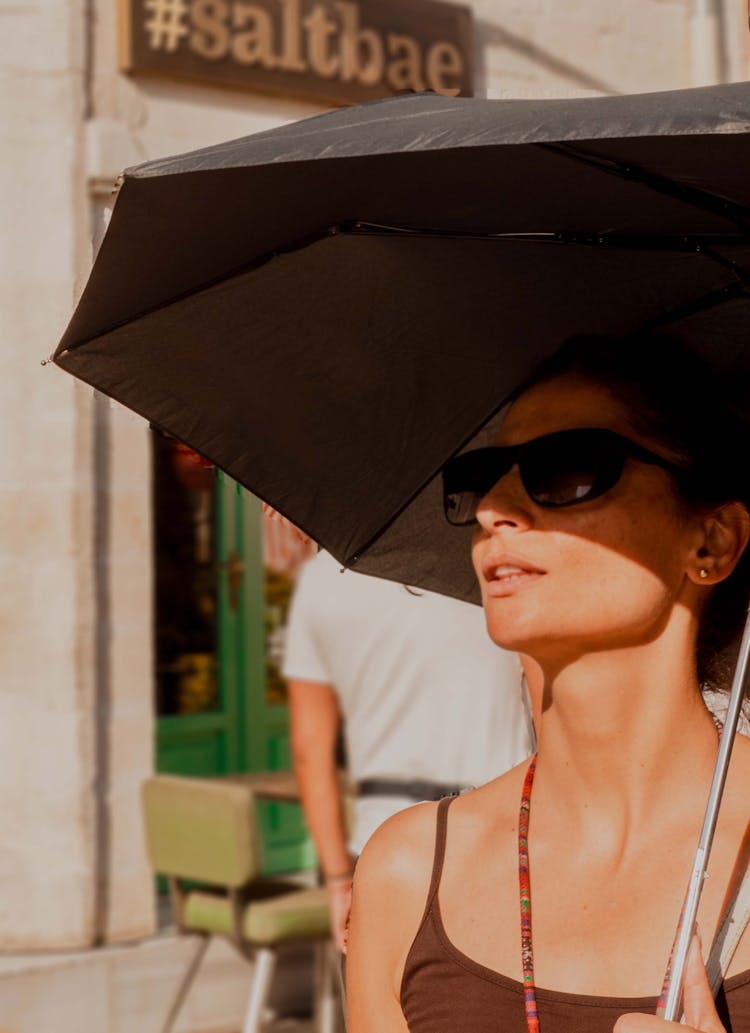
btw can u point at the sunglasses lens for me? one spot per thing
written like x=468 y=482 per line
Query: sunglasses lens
x=561 y=487
x=567 y=468
x=559 y=469
x=461 y=506
x=467 y=479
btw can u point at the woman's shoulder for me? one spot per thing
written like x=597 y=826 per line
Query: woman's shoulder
x=403 y=849
x=398 y=856
x=391 y=887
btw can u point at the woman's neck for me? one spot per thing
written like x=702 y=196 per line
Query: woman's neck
x=624 y=735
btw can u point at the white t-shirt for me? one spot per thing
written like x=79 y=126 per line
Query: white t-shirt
x=424 y=692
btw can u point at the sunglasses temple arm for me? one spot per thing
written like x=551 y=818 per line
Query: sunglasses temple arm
x=673 y=1004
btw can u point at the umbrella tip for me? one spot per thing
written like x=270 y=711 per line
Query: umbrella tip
x=46 y=362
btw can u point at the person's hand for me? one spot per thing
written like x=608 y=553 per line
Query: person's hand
x=697 y=1001
x=339 y=905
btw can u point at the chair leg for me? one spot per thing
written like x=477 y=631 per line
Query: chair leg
x=265 y=963
x=185 y=984
x=326 y=1003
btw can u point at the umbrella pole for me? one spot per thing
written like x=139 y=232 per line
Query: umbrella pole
x=673 y=1004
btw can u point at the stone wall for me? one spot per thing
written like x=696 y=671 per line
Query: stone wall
x=76 y=726
x=46 y=492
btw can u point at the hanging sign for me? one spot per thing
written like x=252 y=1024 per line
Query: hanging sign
x=342 y=51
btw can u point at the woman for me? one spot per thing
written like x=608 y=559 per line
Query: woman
x=605 y=556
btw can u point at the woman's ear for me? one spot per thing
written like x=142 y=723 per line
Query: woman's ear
x=724 y=534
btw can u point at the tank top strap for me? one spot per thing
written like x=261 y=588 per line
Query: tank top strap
x=441 y=836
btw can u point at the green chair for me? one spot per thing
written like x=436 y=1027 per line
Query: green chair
x=202 y=835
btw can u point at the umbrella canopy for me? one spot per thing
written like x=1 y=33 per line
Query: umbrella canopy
x=330 y=310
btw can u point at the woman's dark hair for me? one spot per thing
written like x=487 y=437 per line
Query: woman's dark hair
x=676 y=399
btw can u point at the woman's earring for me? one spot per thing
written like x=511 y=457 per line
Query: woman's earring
x=703 y=572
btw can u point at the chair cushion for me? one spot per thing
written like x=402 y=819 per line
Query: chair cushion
x=297 y=914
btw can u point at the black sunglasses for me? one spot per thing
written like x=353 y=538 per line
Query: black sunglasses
x=557 y=470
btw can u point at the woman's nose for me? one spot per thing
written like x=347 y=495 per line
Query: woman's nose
x=506 y=504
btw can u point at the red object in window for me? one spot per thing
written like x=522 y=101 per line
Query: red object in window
x=194 y=471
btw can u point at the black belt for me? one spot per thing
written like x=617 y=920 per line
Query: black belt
x=414 y=789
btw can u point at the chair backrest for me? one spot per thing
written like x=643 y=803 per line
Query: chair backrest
x=202 y=829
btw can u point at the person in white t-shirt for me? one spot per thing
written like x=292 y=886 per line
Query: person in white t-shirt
x=429 y=705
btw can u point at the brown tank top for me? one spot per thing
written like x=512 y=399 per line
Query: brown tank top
x=444 y=991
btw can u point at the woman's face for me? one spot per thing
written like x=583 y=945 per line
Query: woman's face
x=606 y=573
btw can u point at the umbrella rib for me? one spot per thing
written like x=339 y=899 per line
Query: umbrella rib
x=739 y=288
x=701 y=243
x=642 y=241
x=740 y=275
x=358 y=552
x=223 y=277
x=208 y=453
x=691 y=308
x=695 y=196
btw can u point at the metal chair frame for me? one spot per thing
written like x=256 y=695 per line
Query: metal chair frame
x=264 y=959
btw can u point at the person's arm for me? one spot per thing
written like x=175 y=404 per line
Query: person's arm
x=315 y=721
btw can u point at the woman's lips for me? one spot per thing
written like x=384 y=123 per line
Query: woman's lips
x=506 y=574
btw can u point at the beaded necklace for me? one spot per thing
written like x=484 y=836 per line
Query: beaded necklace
x=524 y=886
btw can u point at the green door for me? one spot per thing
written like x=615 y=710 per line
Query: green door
x=219 y=614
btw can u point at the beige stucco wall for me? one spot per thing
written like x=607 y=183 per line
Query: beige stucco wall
x=545 y=48
x=126 y=899
x=550 y=48
x=46 y=687
x=76 y=723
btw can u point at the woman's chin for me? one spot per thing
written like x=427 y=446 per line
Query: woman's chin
x=513 y=626
x=515 y=639
x=534 y=633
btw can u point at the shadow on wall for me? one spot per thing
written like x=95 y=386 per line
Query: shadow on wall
x=493 y=35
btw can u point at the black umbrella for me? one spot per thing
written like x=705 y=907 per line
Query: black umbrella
x=346 y=300
x=329 y=310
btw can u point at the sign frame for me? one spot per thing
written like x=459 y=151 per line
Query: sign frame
x=335 y=51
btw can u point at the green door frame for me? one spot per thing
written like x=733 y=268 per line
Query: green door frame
x=215 y=742
x=246 y=732
x=286 y=842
